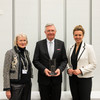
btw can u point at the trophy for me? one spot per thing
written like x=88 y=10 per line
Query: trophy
x=52 y=66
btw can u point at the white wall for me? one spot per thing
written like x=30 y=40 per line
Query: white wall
x=26 y=21
x=5 y=33
x=77 y=12
x=52 y=12
x=96 y=41
x=30 y=17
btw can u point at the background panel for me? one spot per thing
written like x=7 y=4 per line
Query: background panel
x=52 y=12
x=77 y=13
x=26 y=21
x=96 y=40
x=5 y=33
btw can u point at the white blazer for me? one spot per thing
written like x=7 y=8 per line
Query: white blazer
x=86 y=60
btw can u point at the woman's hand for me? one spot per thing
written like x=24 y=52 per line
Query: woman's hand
x=70 y=71
x=8 y=94
x=76 y=72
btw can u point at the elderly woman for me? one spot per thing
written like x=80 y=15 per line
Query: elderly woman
x=82 y=62
x=17 y=71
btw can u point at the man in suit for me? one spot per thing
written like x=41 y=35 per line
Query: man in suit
x=50 y=85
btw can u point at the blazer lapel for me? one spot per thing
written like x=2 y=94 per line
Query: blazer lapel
x=46 y=48
x=71 y=51
x=81 y=51
x=55 y=48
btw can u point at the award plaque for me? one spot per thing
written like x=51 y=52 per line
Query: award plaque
x=52 y=66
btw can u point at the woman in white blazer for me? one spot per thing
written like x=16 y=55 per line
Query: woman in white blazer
x=81 y=63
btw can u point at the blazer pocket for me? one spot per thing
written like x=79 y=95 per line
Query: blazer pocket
x=58 y=50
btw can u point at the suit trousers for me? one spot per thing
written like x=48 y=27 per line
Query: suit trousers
x=50 y=92
x=21 y=91
x=80 y=87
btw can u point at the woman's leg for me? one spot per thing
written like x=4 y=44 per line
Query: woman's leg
x=16 y=91
x=73 y=81
x=26 y=94
x=85 y=86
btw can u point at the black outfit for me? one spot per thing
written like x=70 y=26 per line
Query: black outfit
x=49 y=87
x=21 y=88
x=80 y=87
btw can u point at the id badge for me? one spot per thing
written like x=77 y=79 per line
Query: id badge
x=24 y=71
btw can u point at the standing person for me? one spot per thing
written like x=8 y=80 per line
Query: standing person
x=82 y=62
x=17 y=70
x=50 y=85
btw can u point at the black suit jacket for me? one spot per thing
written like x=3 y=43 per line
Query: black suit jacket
x=41 y=61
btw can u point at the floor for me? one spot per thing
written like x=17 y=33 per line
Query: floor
x=64 y=96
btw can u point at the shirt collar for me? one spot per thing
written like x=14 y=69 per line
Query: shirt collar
x=50 y=41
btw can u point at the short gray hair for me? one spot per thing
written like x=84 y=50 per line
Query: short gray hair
x=20 y=35
x=49 y=24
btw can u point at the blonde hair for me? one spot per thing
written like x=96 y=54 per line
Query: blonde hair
x=20 y=35
x=79 y=28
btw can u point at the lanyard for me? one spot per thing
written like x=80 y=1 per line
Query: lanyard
x=25 y=67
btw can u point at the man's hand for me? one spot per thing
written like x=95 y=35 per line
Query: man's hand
x=8 y=94
x=57 y=72
x=47 y=72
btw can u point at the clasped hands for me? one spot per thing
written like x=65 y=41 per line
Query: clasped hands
x=47 y=72
x=75 y=72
